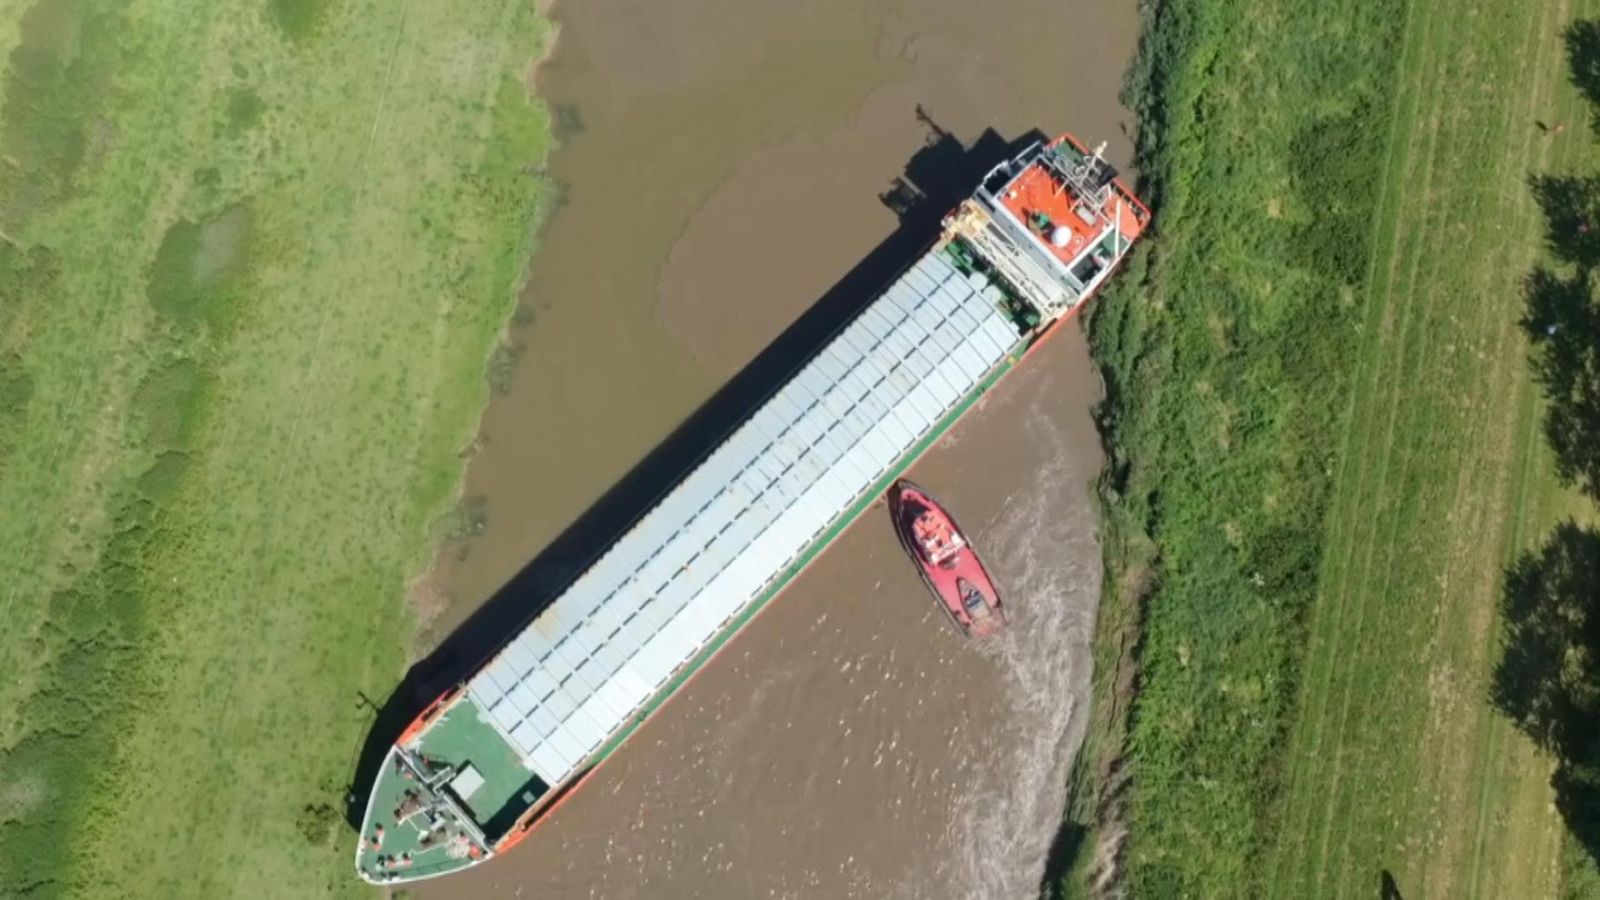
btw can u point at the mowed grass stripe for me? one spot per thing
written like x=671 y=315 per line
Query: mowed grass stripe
x=1358 y=461
x=1509 y=777
x=1380 y=373
x=1380 y=321
x=1452 y=202
x=1464 y=628
x=1376 y=321
x=1469 y=381
x=1424 y=540
x=1424 y=338
x=1410 y=349
x=1451 y=342
x=1388 y=370
x=1419 y=148
x=1400 y=443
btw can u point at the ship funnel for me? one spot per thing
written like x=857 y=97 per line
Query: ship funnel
x=1061 y=236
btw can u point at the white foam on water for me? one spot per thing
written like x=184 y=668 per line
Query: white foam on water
x=1047 y=559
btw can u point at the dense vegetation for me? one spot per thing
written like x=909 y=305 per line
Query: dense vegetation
x=1226 y=359
x=253 y=258
x=1321 y=457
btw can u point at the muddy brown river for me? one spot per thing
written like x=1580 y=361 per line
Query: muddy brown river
x=720 y=165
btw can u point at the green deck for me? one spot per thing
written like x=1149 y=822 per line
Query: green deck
x=460 y=736
x=463 y=735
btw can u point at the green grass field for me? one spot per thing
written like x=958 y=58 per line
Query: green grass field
x=1326 y=448
x=1398 y=761
x=253 y=260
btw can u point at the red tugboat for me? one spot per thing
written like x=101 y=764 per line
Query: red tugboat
x=949 y=566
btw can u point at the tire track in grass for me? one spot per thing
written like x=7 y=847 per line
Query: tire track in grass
x=1475 y=623
x=1514 y=444
x=1465 y=332
x=1412 y=354
x=1381 y=314
x=1392 y=401
x=1376 y=315
x=1436 y=414
x=1383 y=794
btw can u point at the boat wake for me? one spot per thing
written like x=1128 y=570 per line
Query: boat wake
x=1046 y=544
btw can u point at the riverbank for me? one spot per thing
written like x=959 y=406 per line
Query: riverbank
x=1319 y=422
x=255 y=259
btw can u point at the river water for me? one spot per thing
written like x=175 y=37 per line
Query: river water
x=720 y=167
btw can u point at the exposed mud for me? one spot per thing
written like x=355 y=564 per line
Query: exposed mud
x=721 y=166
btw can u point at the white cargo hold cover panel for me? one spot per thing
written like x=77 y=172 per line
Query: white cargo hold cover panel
x=753 y=506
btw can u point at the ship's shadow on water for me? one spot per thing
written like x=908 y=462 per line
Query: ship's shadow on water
x=937 y=177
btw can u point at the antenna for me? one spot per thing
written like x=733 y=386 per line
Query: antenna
x=1089 y=176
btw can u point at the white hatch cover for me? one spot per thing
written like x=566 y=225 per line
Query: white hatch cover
x=591 y=660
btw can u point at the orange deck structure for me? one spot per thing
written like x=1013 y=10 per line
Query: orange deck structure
x=1065 y=222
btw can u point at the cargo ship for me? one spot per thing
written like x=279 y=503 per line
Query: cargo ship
x=483 y=765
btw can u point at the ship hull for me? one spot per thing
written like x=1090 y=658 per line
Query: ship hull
x=563 y=793
x=956 y=577
x=458 y=708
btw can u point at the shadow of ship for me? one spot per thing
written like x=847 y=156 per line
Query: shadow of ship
x=938 y=176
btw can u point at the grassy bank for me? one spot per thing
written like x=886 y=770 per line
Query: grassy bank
x=253 y=257
x=1398 y=761
x=1547 y=679
x=1322 y=447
